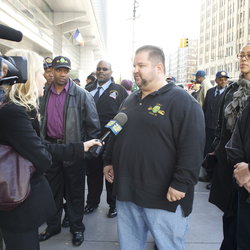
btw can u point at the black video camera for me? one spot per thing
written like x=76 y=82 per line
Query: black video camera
x=16 y=65
x=17 y=70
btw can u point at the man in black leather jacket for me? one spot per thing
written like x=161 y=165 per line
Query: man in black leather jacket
x=68 y=114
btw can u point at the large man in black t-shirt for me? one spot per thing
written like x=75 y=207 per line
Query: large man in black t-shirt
x=154 y=161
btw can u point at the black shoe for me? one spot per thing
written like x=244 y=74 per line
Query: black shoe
x=112 y=213
x=78 y=238
x=47 y=234
x=204 y=178
x=89 y=210
x=208 y=186
x=65 y=222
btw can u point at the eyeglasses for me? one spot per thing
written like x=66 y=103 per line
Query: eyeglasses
x=241 y=56
x=103 y=69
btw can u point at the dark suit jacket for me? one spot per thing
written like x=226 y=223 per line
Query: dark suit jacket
x=109 y=102
x=16 y=130
x=211 y=107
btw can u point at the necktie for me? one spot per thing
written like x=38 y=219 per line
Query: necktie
x=96 y=96
x=217 y=92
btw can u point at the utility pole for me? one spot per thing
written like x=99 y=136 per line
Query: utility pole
x=136 y=5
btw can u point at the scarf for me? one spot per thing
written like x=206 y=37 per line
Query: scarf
x=235 y=107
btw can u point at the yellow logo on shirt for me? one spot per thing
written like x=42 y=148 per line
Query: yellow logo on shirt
x=155 y=110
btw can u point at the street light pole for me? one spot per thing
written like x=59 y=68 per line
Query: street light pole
x=136 y=5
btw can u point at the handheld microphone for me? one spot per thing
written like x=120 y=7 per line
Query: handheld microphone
x=10 y=34
x=115 y=126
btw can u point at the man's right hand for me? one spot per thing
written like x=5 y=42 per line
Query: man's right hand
x=241 y=173
x=108 y=172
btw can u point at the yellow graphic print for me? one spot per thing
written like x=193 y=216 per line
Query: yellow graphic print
x=62 y=60
x=156 y=110
x=117 y=128
x=110 y=123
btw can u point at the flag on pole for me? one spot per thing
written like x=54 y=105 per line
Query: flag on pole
x=78 y=37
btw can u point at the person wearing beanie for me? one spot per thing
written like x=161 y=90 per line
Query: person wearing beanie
x=90 y=80
x=205 y=85
x=128 y=85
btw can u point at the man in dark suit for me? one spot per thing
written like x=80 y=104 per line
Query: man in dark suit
x=211 y=109
x=108 y=97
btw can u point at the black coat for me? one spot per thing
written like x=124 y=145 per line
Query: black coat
x=16 y=130
x=223 y=189
x=109 y=102
x=238 y=148
x=211 y=107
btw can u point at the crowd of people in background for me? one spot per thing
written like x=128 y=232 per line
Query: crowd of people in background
x=150 y=167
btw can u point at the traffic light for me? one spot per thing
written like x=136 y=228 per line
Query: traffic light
x=184 y=43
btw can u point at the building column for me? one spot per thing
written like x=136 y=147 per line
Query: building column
x=57 y=40
x=87 y=62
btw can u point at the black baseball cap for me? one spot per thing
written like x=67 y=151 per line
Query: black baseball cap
x=47 y=62
x=221 y=74
x=61 y=62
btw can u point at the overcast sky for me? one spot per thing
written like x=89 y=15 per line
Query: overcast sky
x=159 y=22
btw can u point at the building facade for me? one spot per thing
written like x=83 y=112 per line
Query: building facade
x=224 y=29
x=182 y=63
x=48 y=27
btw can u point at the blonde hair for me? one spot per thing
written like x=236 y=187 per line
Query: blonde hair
x=26 y=94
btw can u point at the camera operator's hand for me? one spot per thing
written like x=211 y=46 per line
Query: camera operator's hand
x=3 y=70
x=91 y=143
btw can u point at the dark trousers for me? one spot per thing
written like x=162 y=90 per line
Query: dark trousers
x=94 y=172
x=229 y=232
x=1 y=240
x=21 y=240
x=243 y=225
x=68 y=182
x=210 y=135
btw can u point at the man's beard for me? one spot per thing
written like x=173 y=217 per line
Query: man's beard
x=142 y=82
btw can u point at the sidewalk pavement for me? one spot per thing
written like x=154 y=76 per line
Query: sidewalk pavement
x=205 y=230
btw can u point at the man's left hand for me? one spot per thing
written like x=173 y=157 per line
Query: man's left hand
x=174 y=195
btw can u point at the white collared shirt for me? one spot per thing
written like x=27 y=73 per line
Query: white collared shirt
x=103 y=88
x=221 y=90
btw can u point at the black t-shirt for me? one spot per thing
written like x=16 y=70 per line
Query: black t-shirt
x=161 y=145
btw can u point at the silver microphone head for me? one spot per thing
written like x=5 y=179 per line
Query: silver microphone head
x=121 y=118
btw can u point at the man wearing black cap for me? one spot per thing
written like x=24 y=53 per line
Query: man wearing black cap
x=211 y=109
x=48 y=71
x=205 y=85
x=68 y=115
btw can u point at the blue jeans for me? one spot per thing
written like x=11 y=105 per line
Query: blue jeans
x=167 y=228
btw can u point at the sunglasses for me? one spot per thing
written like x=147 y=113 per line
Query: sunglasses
x=241 y=56
x=103 y=69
